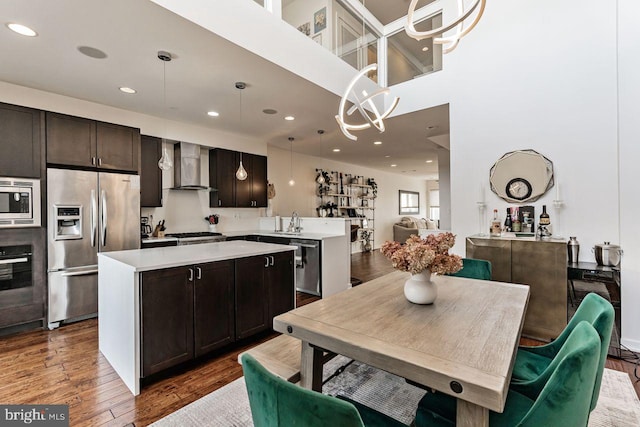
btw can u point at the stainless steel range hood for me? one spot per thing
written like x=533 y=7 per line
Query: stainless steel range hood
x=186 y=159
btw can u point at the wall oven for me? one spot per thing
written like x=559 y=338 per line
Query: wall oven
x=15 y=267
x=19 y=202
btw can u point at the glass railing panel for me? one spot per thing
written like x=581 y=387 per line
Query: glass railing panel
x=408 y=58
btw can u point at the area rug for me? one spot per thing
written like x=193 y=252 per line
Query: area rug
x=618 y=405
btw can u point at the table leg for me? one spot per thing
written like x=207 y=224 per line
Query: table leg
x=311 y=367
x=471 y=415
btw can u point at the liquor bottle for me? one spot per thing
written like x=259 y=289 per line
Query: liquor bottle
x=544 y=216
x=507 y=221
x=496 y=226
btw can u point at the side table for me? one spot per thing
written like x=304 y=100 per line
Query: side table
x=591 y=275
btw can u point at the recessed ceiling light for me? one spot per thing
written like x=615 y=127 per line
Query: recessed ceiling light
x=21 y=29
x=270 y=111
x=387 y=157
x=393 y=165
x=426 y=48
x=213 y=113
x=377 y=143
x=127 y=90
x=289 y=118
x=336 y=150
x=429 y=161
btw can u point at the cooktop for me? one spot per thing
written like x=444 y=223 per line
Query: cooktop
x=194 y=234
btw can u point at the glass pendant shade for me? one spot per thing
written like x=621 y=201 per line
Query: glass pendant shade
x=165 y=163
x=241 y=173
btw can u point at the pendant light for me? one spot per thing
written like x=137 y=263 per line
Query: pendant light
x=166 y=162
x=320 y=178
x=241 y=173
x=291 y=181
x=373 y=117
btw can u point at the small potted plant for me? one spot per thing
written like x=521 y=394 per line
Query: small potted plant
x=212 y=220
x=365 y=235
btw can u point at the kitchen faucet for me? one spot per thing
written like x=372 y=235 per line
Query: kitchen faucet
x=294 y=224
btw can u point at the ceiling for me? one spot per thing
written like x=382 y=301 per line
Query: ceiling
x=199 y=79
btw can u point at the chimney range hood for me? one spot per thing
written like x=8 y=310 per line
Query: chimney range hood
x=186 y=159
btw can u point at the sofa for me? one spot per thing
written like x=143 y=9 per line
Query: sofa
x=409 y=225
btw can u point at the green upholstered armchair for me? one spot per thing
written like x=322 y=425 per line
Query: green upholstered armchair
x=532 y=362
x=277 y=403
x=474 y=269
x=563 y=400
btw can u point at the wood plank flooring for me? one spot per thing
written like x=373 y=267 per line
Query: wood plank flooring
x=65 y=366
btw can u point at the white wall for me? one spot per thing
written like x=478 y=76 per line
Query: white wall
x=534 y=74
x=629 y=172
x=301 y=197
x=302 y=11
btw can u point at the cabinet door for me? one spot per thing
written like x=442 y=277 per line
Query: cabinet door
x=150 y=173
x=222 y=177
x=117 y=147
x=71 y=140
x=20 y=141
x=259 y=180
x=498 y=252
x=214 y=316
x=166 y=304
x=280 y=283
x=251 y=297
x=244 y=197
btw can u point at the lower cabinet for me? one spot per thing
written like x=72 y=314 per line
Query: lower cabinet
x=166 y=318
x=264 y=289
x=189 y=311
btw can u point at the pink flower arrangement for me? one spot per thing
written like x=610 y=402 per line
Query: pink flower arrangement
x=212 y=219
x=417 y=254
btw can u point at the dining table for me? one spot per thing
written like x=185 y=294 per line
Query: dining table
x=464 y=344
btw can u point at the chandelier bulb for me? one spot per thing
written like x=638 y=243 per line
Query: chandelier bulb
x=241 y=174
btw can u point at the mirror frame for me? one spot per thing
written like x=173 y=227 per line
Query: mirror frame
x=540 y=181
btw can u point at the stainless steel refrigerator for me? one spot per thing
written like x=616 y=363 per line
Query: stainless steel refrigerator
x=88 y=212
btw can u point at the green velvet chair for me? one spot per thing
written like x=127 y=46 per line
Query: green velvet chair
x=531 y=362
x=277 y=403
x=474 y=269
x=563 y=396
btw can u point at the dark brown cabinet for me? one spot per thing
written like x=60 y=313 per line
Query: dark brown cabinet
x=231 y=192
x=214 y=316
x=75 y=141
x=166 y=318
x=264 y=289
x=222 y=178
x=150 y=173
x=20 y=141
x=252 y=192
x=186 y=312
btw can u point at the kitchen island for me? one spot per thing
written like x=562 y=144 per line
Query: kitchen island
x=164 y=306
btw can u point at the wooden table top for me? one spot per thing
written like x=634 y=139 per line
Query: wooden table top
x=469 y=335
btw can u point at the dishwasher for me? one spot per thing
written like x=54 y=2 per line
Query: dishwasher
x=307 y=260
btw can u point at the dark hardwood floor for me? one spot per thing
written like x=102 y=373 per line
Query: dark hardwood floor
x=65 y=366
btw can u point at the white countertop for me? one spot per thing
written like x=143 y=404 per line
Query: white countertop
x=159 y=239
x=175 y=256
x=302 y=235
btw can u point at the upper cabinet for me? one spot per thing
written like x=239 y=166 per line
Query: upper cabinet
x=231 y=192
x=150 y=173
x=75 y=141
x=20 y=141
x=252 y=192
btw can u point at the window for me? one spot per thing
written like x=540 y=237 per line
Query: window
x=409 y=202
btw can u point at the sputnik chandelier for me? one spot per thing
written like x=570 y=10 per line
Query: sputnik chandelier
x=373 y=117
x=450 y=42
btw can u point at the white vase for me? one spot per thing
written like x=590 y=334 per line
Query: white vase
x=213 y=228
x=419 y=289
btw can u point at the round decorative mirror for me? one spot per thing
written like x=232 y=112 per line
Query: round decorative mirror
x=521 y=176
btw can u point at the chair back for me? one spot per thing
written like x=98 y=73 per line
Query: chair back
x=277 y=403
x=598 y=312
x=474 y=269
x=566 y=396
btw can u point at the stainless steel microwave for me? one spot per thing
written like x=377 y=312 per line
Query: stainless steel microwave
x=19 y=202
